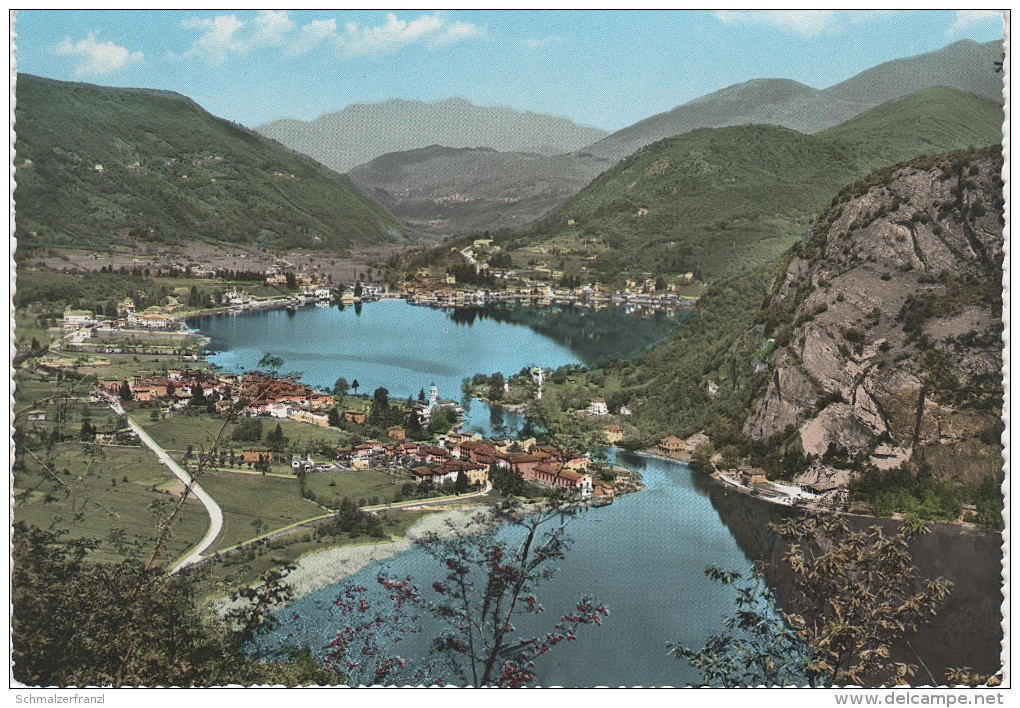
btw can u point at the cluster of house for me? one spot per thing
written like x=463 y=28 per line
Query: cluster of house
x=457 y=454
x=285 y=399
x=533 y=286
x=675 y=446
x=155 y=317
x=176 y=386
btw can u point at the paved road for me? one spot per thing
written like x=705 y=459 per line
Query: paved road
x=213 y=509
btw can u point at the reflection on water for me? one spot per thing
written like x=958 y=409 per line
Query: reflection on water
x=405 y=348
x=644 y=556
x=593 y=335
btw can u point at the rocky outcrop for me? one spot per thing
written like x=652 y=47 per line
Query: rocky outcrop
x=888 y=337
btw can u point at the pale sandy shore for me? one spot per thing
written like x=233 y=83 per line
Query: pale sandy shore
x=322 y=569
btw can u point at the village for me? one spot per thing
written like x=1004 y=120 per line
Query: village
x=446 y=461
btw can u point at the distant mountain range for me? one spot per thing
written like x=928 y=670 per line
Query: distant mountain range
x=965 y=65
x=454 y=190
x=362 y=132
x=99 y=166
x=405 y=181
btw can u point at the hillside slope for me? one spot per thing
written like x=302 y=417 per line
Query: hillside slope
x=722 y=202
x=98 y=165
x=470 y=190
x=888 y=327
x=362 y=132
x=965 y=65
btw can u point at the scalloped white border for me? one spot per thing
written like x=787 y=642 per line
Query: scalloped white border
x=1006 y=351
x=1005 y=655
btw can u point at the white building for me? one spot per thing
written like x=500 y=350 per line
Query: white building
x=598 y=407
x=76 y=319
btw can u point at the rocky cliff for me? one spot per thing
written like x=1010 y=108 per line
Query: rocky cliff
x=886 y=327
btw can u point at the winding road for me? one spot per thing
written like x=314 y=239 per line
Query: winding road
x=216 y=514
x=211 y=507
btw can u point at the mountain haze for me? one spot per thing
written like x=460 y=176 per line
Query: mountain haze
x=362 y=132
x=965 y=65
x=406 y=189
x=457 y=190
x=97 y=166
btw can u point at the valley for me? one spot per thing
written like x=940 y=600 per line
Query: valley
x=392 y=341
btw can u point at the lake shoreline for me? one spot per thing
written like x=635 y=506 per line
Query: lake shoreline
x=963 y=528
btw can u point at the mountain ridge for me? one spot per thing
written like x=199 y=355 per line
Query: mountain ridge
x=361 y=132
x=668 y=207
x=98 y=164
x=965 y=65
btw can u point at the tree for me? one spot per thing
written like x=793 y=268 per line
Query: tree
x=462 y=483
x=291 y=281
x=495 y=392
x=756 y=647
x=333 y=418
x=340 y=388
x=488 y=583
x=853 y=594
x=270 y=363
x=355 y=385
x=125 y=391
x=276 y=440
x=421 y=395
x=442 y=422
x=76 y=622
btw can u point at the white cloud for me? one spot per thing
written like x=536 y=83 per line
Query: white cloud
x=96 y=57
x=226 y=34
x=806 y=23
x=270 y=29
x=312 y=35
x=534 y=43
x=455 y=32
x=217 y=39
x=966 y=19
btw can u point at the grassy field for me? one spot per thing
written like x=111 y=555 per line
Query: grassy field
x=245 y=567
x=332 y=487
x=177 y=432
x=248 y=499
x=116 y=491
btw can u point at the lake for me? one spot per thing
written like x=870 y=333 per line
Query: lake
x=644 y=556
x=406 y=348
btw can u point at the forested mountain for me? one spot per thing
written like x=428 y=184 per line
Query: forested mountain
x=99 y=166
x=965 y=65
x=723 y=202
x=504 y=191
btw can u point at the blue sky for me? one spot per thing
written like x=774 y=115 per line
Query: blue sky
x=605 y=69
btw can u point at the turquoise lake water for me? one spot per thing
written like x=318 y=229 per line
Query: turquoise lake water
x=644 y=556
x=405 y=348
